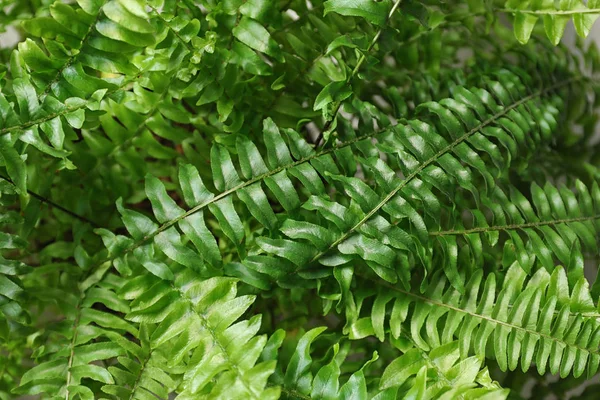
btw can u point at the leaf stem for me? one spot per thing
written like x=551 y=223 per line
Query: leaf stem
x=513 y=226
x=55 y=205
x=72 y=343
x=138 y=378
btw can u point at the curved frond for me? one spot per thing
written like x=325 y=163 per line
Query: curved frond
x=399 y=212
x=428 y=152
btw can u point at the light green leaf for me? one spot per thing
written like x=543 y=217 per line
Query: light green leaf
x=253 y=34
x=376 y=12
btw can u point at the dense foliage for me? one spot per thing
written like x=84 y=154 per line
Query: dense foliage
x=342 y=199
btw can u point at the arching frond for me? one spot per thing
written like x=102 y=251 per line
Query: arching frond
x=428 y=156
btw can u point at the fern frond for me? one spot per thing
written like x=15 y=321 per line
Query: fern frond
x=51 y=81
x=556 y=224
x=539 y=319
x=301 y=377
x=221 y=206
x=555 y=16
x=427 y=163
x=197 y=330
x=435 y=374
x=425 y=167
x=440 y=373
x=96 y=36
x=141 y=372
x=77 y=345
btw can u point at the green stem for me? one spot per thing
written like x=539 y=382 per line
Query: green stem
x=72 y=343
x=513 y=226
x=55 y=205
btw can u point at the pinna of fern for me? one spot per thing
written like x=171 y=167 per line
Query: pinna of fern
x=184 y=328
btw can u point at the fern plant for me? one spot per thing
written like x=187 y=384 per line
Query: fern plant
x=341 y=199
